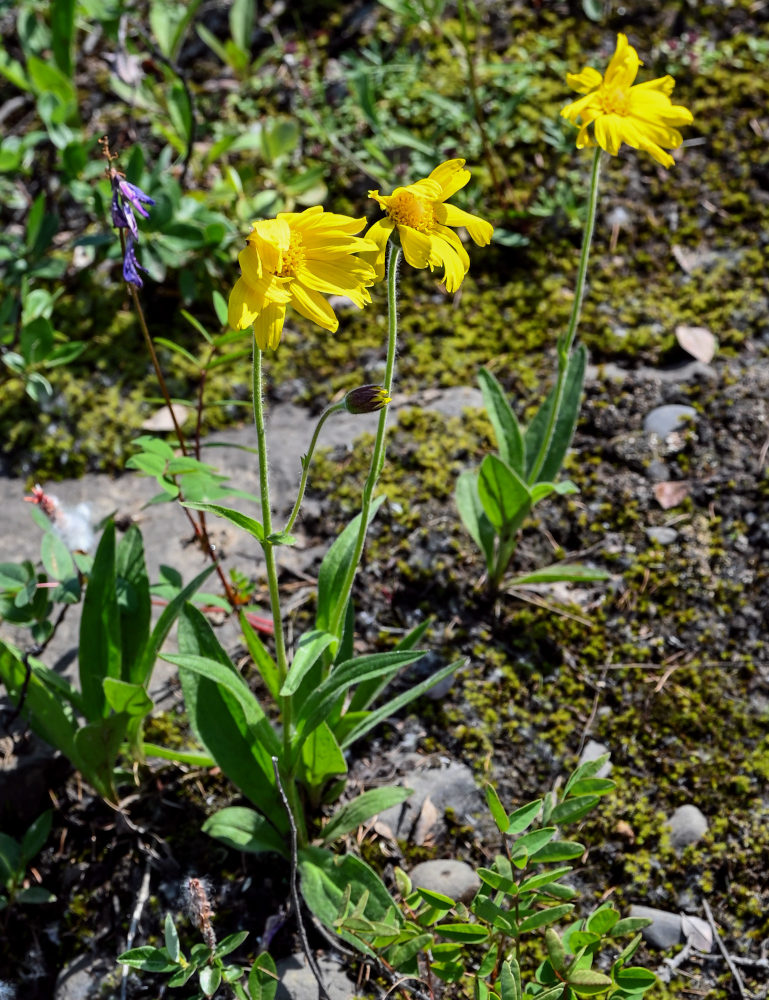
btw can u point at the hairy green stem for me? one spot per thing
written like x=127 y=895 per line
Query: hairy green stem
x=378 y=455
x=335 y=408
x=268 y=547
x=566 y=342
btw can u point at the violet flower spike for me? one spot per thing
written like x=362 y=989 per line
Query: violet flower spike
x=135 y=196
x=131 y=265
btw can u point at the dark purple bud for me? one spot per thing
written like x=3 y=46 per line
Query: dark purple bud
x=366 y=399
x=135 y=196
x=131 y=266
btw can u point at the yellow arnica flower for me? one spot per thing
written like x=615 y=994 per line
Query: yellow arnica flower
x=641 y=116
x=422 y=219
x=295 y=259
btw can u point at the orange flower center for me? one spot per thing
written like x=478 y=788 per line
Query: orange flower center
x=293 y=258
x=614 y=100
x=407 y=209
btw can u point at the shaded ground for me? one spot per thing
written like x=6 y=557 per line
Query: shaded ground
x=665 y=664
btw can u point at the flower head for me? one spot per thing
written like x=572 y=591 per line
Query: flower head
x=641 y=116
x=366 y=399
x=419 y=214
x=295 y=259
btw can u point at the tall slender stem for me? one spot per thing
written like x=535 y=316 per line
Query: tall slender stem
x=267 y=546
x=199 y=527
x=378 y=455
x=335 y=408
x=566 y=342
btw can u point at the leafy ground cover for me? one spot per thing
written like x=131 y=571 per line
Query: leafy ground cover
x=223 y=119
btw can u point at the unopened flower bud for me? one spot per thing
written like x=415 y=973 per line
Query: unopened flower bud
x=366 y=399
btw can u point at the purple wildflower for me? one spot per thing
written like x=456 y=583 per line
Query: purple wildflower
x=131 y=265
x=133 y=194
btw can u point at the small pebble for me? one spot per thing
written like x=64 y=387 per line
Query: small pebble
x=662 y=535
x=687 y=826
x=663 y=420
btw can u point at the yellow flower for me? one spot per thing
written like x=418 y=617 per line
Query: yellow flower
x=642 y=116
x=296 y=259
x=422 y=219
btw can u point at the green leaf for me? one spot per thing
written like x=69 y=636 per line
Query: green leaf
x=395 y=704
x=510 y=981
x=568 y=572
x=135 y=604
x=62 y=27
x=98 y=745
x=498 y=881
x=56 y=557
x=263 y=978
x=522 y=818
x=263 y=661
x=543 y=878
x=530 y=843
x=227 y=945
x=226 y=717
x=326 y=878
x=555 y=950
x=36 y=836
x=309 y=649
x=466 y=933
x=342 y=677
x=164 y=623
x=471 y=511
x=179 y=111
x=588 y=982
x=602 y=920
x=573 y=809
x=321 y=757
x=504 y=495
x=47 y=710
x=437 y=900
x=558 y=850
x=243 y=829
x=171 y=938
x=353 y=814
x=565 y=424
x=241 y=23
x=248 y=524
x=129 y=698
x=36 y=340
x=35 y=894
x=334 y=568
x=99 y=653
x=545 y=917
x=592 y=786
x=210 y=978
x=629 y=925
x=507 y=431
x=496 y=808
x=634 y=978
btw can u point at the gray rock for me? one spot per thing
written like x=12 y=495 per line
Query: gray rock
x=297 y=981
x=687 y=826
x=436 y=789
x=663 y=420
x=662 y=535
x=592 y=751
x=84 y=979
x=453 y=878
x=664 y=931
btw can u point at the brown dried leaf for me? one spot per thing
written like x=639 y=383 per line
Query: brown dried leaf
x=671 y=494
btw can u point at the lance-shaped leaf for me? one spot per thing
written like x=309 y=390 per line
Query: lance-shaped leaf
x=504 y=495
x=507 y=430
